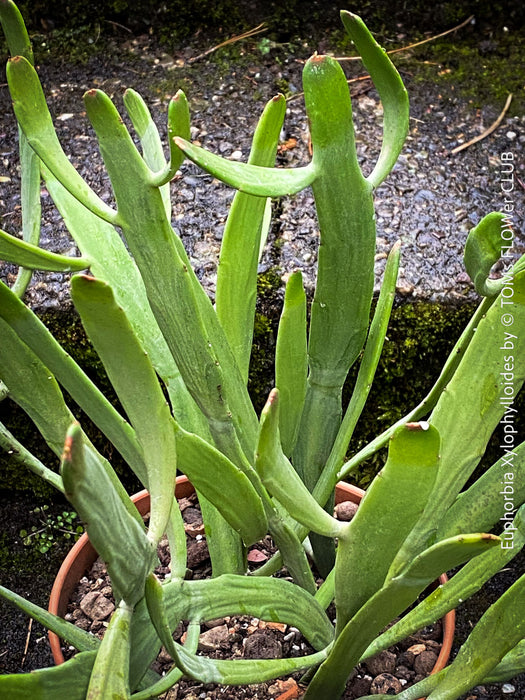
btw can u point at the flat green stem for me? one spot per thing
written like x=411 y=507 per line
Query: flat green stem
x=365 y=377
x=19 y=453
x=430 y=400
x=237 y=272
x=391 y=90
x=35 y=120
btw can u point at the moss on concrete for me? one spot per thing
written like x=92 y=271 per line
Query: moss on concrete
x=421 y=335
x=68 y=331
x=483 y=67
x=419 y=339
x=269 y=300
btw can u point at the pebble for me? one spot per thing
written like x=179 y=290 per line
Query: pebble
x=425 y=662
x=384 y=662
x=96 y=606
x=163 y=657
x=345 y=510
x=211 y=639
x=255 y=556
x=216 y=623
x=361 y=686
x=385 y=684
x=197 y=552
x=262 y=646
x=281 y=686
x=279 y=626
x=416 y=649
x=404 y=673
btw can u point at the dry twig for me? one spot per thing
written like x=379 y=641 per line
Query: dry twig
x=403 y=48
x=488 y=131
x=30 y=626
x=120 y=26
x=418 y=43
x=246 y=35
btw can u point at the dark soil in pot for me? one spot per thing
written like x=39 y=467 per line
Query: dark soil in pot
x=247 y=637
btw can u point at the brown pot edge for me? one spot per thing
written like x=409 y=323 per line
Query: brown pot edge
x=83 y=554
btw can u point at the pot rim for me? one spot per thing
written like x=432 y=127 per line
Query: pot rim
x=82 y=555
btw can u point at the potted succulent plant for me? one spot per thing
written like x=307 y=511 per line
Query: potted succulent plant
x=179 y=368
x=83 y=556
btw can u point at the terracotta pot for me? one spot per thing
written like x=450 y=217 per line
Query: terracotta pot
x=83 y=555
x=80 y=559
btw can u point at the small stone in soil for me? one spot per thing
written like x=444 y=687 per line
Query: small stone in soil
x=164 y=657
x=404 y=673
x=212 y=639
x=417 y=649
x=406 y=658
x=216 y=623
x=194 y=529
x=185 y=503
x=197 y=553
x=255 y=556
x=425 y=662
x=345 y=510
x=262 y=646
x=279 y=626
x=384 y=662
x=192 y=515
x=98 y=570
x=84 y=623
x=361 y=686
x=384 y=684
x=280 y=687
x=96 y=606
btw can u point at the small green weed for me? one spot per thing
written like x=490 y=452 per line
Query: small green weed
x=52 y=528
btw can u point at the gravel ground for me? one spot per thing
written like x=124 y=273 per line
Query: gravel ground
x=430 y=200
